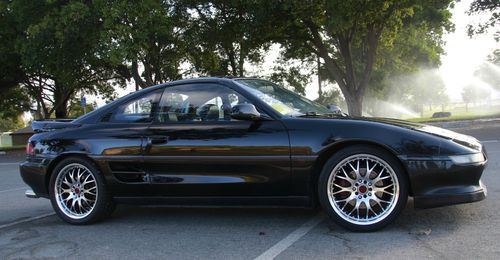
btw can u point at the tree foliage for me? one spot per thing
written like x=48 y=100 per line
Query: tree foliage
x=489 y=71
x=144 y=39
x=351 y=36
x=57 y=44
x=481 y=7
x=56 y=50
x=417 y=89
x=294 y=75
x=224 y=36
x=474 y=94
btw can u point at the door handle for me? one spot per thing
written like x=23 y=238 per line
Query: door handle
x=157 y=140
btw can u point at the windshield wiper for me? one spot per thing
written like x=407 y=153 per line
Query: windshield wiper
x=314 y=114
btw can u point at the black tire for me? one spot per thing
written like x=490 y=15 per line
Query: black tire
x=334 y=206
x=104 y=204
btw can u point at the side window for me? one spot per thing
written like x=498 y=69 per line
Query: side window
x=138 y=110
x=197 y=102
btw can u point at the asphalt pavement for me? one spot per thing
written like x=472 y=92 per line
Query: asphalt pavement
x=29 y=229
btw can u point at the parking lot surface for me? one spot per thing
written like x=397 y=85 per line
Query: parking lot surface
x=29 y=229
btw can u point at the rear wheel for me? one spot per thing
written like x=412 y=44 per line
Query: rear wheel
x=78 y=193
x=363 y=188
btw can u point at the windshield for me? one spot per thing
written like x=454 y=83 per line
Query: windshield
x=282 y=100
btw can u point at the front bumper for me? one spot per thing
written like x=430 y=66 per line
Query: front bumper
x=432 y=201
x=436 y=182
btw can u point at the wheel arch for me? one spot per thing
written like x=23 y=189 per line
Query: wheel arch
x=52 y=165
x=332 y=149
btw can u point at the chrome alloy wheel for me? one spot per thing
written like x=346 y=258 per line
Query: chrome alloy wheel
x=363 y=189
x=76 y=191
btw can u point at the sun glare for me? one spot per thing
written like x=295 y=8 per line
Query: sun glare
x=463 y=54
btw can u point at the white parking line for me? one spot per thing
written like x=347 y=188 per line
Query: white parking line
x=23 y=188
x=286 y=242
x=26 y=220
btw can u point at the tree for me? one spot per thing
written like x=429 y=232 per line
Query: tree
x=292 y=75
x=13 y=103
x=468 y=96
x=489 y=71
x=13 y=100
x=481 y=7
x=57 y=44
x=417 y=89
x=144 y=39
x=330 y=97
x=474 y=94
x=223 y=36
x=75 y=108
x=10 y=124
x=350 y=36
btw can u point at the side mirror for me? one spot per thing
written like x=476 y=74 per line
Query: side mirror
x=335 y=109
x=245 y=112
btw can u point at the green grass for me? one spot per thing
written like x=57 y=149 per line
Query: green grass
x=452 y=118
x=458 y=112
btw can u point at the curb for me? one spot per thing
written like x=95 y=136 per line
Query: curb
x=465 y=123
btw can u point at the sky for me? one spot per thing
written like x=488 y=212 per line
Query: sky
x=462 y=56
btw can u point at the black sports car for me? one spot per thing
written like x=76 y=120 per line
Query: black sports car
x=221 y=141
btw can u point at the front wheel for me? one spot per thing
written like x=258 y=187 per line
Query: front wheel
x=78 y=192
x=363 y=188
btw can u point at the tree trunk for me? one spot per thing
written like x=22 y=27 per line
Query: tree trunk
x=61 y=111
x=320 y=90
x=241 y=62
x=61 y=97
x=232 y=61
x=134 y=71
x=354 y=104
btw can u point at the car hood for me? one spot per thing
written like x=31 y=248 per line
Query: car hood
x=462 y=139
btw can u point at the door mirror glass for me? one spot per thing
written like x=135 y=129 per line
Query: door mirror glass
x=245 y=112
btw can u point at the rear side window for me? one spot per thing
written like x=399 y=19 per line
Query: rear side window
x=138 y=110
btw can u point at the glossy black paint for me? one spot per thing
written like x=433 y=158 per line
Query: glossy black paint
x=273 y=160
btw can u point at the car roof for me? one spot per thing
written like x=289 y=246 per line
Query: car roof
x=206 y=79
x=94 y=115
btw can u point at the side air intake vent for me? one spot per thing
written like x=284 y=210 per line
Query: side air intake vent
x=127 y=172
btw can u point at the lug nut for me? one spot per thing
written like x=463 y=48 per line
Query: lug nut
x=359 y=197
x=369 y=193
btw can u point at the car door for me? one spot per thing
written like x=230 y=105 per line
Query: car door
x=194 y=148
x=118 y=141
